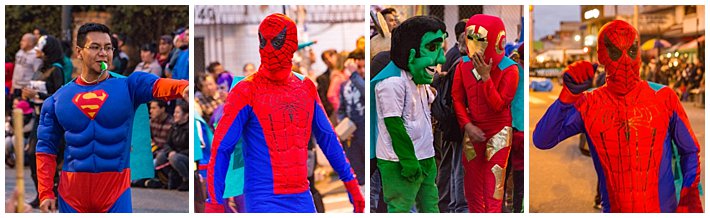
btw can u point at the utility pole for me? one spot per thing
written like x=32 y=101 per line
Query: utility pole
x=66 y=23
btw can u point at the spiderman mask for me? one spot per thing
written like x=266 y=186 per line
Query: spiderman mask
x=277 y=43
x=618 y=51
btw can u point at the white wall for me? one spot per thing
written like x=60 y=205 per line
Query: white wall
x=510 y=14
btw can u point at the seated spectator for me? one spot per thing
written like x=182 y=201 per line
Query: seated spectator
x=148 y=63
x=209 y=97
x=178 y=142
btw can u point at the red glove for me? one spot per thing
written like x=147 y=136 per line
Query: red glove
x=689 y=201
x=213 y=208
x=355 y=195
x=577 y=78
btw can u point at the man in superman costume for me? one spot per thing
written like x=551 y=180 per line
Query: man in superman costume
x=275 y=111
x=401 y=122
x=631 y=126
x=94 y=114
x=484 y=86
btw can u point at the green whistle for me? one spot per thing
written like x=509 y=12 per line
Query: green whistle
x=104 y=66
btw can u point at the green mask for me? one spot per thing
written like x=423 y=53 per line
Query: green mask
x=431 y=53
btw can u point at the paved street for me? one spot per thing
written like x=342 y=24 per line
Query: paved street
x=144 y=200
x=335 y=197
x=562 y=179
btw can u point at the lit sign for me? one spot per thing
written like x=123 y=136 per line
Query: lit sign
x=591 y=14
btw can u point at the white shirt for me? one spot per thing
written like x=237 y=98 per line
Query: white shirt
x=400 y=97
x=26 y=64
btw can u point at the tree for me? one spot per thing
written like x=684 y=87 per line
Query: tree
x=21 y=19
x=142 y=24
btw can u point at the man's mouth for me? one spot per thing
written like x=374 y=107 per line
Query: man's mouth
x=431 y=70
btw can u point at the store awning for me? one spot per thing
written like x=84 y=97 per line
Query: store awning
x=692 y=45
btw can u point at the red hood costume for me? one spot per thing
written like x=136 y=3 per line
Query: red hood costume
x=489 y=104
x=275 y=112
x=633 y=127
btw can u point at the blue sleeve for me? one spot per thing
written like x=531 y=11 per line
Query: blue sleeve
x=140 y=86
x=689 y=150
x=226 y=136
x=330 y=145
x=560 y=122
x=687 y=144
x=49 y=132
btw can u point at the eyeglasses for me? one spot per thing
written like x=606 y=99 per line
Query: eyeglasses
x=97 y=48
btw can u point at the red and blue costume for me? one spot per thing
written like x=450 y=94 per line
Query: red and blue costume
x=631 y=127
x=96 y=121
x=275 y=112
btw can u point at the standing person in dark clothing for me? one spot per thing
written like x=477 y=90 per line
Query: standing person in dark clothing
x=122 y=56
x=48 y=80
x=51 y=75
x=116 y=63
x=454 y=53
x=352 y=98
x=448 y=138
x=330 y=58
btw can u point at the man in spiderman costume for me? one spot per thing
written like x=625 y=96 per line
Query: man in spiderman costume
x=275 y=111
x=484 y=87
x=401 y=124
x=94 y=113
x=631 y=126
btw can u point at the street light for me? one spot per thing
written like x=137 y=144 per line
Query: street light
x=540 y=58
x=586 y=49
x=589 y=40
x=591 y=14
x=577 y=38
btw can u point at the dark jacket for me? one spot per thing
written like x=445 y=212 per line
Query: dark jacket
x=178 y=139
x=323 y=83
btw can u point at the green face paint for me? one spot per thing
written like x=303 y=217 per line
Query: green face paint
x=431 y=53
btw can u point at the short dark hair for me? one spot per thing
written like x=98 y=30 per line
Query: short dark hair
x=114 y=43
x=357 y=54
x=387 y=11
x=167 y=39
x=121 y=37
x=204 y=77
x=86 y=29
x=53 y=52
x=161 y=104
x=460 y=27
x=42 y=32
x=212 y=66
x=183 y=106
x=151 y=47
x=408 y=35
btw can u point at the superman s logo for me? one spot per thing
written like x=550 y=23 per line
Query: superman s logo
x=90 y=102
